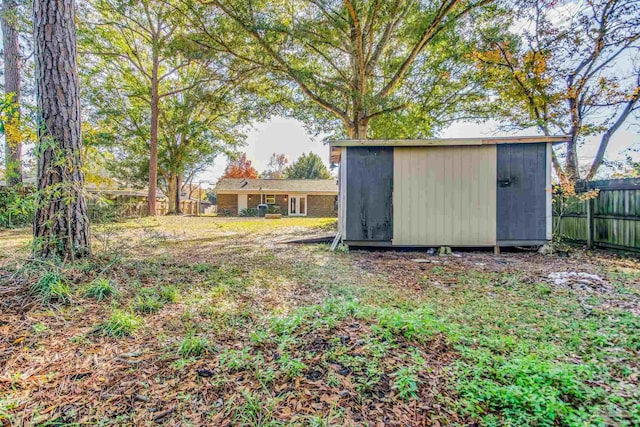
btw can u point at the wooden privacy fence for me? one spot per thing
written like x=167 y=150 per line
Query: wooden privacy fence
x=611 y=220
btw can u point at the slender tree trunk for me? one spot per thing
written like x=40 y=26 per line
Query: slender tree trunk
x=178 y=193
x=173 y=193
x=153 y=145
x=61 y=223
x=604 y=142
x=571 y=162
x=12 y=65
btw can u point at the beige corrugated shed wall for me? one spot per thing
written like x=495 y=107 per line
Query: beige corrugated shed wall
x=445 y=196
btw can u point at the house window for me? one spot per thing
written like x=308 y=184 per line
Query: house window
x=270 y=199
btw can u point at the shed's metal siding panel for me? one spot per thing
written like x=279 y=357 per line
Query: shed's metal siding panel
x=369 y=184
x=522 y=192
x=444 y=196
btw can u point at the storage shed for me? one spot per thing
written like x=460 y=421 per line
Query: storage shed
x=445 y=192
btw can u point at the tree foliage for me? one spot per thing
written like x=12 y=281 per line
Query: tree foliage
x=148 y=82
x=12 y=86
x=240 y=167
x=377 y=68
x=573 y=70
x=307 y=166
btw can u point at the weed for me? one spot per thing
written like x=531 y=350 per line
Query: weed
x=101 y=289
x=52 y=287
x=406 y=382
x=121 y=324
x=169 y=293
x=255 y=412
x=202 y=267
x=417 y=325
x=181 y=363
x=333 y=380
x=235 y=360
x=6 y=407
x=39 y=328
x=147 y=304
x=291 y=367
x=193 y=346
x=79 y=339
x=543 y=289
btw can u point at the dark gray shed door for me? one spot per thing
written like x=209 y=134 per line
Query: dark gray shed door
x=369 y=193
x=521 y=193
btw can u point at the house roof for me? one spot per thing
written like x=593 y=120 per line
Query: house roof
x=336 y=145
x=244 y=185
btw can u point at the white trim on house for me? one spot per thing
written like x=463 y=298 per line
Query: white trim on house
x=294 y=200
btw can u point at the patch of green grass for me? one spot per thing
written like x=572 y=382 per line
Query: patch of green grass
x=169 y=293
x=255 y=411
x=121 y=324
x=418 y=325
x=193 y=346
x=235 y=360
x=203 y=267
x=101 y=288
x=52 y=287
x=147 y=304
x=150 y=300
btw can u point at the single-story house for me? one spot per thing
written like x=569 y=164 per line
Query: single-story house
x=293 y=197
x=445 y=192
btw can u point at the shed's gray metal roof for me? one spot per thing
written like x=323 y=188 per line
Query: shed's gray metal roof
x=337 y=144
x=245 y=185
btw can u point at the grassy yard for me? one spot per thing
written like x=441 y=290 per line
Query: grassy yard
x=204 y=321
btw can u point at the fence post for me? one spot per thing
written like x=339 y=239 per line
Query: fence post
x=589 y=224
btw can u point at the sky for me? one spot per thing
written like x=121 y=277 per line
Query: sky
x=288 y=136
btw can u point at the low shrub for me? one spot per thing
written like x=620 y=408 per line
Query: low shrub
x=249 y=212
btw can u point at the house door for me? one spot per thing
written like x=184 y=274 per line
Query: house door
x=243 y=202
x=297 y=205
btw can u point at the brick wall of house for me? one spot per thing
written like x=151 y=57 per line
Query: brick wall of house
x=317 y=206
x=281 y=200
x=321 y=206
x=228 y=204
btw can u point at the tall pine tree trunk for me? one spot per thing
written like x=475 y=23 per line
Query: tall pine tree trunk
x=153 y=143
x=61 y=223
x=12 y=65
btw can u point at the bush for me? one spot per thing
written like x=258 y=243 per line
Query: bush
x=249 y=212
x=225 y=212
x=102 y=211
